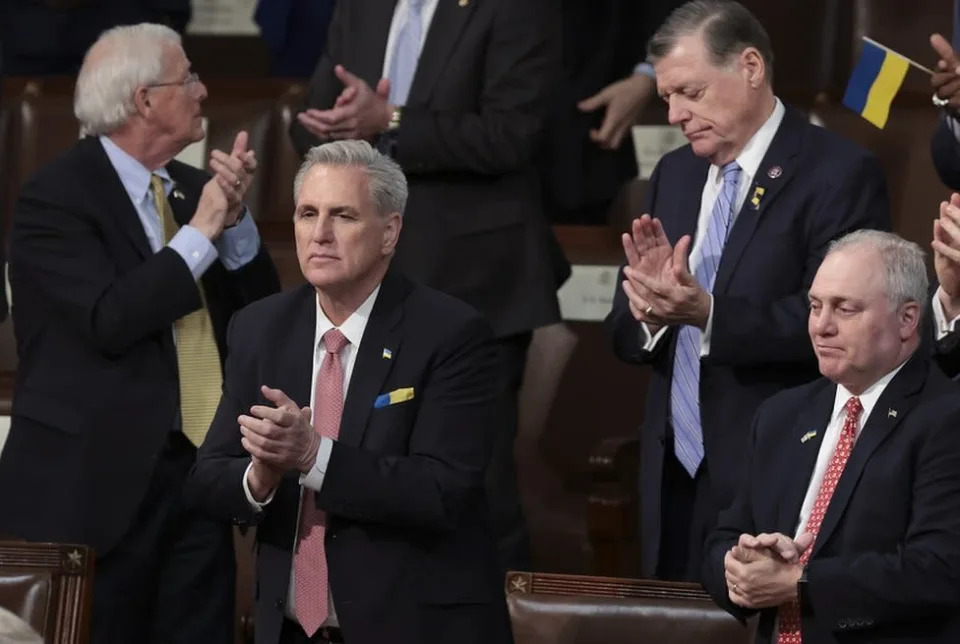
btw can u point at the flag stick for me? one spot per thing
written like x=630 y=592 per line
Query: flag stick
x=912 y=62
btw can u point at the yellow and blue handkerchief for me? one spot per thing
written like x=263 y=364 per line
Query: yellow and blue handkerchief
x=396 y=396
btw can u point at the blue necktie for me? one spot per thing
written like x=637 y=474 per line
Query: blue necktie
x=685 y=384
x=406 y=52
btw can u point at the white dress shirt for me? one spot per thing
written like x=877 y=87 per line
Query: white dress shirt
x=353 y=328
x=944 y=326
x=399 y=18
x=832 y=435
x=749 y=161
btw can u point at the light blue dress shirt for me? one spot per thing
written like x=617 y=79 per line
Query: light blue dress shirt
x=236 y=247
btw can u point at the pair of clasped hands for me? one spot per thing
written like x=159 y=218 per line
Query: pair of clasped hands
x=658 y=284
x=360 y=112
x=762 y=571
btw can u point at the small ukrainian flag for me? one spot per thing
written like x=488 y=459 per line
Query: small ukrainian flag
x=387 y=354
x=875 y=81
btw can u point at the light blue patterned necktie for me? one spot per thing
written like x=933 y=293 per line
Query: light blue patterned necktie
x=685 y=384
x=406 y=53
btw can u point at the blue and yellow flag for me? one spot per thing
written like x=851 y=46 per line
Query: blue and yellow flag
x=875 y=81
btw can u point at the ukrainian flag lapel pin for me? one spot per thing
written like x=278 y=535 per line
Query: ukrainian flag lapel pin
x=757 y=196
x=387 y=354
x=177 y=194
x=808 y=436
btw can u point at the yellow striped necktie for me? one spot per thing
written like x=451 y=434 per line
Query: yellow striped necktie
x=198 y=359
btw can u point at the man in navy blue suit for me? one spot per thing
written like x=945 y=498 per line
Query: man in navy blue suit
x=945 y=145
x=713 y=295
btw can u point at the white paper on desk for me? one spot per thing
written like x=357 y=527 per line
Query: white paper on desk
x=195 y=154
x=223 y=18
x=588 y=294
x=650 y=142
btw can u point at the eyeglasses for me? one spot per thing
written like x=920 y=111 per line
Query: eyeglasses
x=190 y=80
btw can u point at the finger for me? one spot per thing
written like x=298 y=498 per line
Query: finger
x=607 y=129
x=383 y=88
x=594 y=102
x=265 y=444
x=229 y=192
x=281 y=416
x=630 y=250
x=950 y=218
x=659 y=235
x=230 y=166
x=277 y=397
x=250 y=161
x=346 y=96
x=943 y=49
x=617 y=137
x=748 y=541
x=950 y=88
x=955 y=199
x=337 y=116
x=239 y=144
x=649 y=287
x=312 y=125
x=949 y=252
x=804 y=541
x=346 y=77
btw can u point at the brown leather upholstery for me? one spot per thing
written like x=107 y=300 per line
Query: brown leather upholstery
x=50 y=587
x=572 y=609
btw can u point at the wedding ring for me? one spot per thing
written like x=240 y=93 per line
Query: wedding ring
x=649 y=310
x=940 y=102
x=236 y=184
x=734 y=588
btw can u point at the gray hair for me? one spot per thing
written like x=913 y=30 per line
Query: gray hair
x=388 y=185
x=122 y=59
x=904 y=270
x=727 y=29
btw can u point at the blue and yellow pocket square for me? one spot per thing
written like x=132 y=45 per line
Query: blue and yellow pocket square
x=396 y=396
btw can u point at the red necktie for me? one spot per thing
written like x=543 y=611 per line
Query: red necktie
x=310 y=558
x=790 y=612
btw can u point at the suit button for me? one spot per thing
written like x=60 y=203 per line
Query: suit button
x=662 y=440
x=278 y=604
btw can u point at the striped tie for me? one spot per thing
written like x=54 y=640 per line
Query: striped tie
x=685 y=383
x=198 y=359
x=406 y=53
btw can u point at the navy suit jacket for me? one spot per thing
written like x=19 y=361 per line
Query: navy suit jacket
x=945 y=150
x=826 y=187
x=410 y=557
x=886 y=562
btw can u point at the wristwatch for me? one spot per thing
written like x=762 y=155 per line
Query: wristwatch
x=395 y=115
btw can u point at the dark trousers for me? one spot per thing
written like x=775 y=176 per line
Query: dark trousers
x=503 y=496
x=688 y=512
x=171 y=579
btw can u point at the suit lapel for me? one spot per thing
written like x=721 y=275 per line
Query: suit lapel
x=687 y=201
x=799 y=456
x=182 y=204
x=371 y=368
x=899 y=397
x=775 y=171
x=378 y=15
x=118 y=200
x=449 y=19
x=295 y=371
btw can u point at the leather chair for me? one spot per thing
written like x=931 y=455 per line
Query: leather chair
x=571 y=609
x=50 y=587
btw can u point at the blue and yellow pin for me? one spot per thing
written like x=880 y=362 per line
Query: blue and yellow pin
x=757 y=196
x=387 y=354
x=396 y=396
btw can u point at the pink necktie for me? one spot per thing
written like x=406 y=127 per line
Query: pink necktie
x=790 y=613
x=310 y=558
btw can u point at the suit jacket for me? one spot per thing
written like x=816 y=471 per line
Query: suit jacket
x=409 y=555
x=886 y=562
x=945 y=150
x=759 y=343
x=474 y=226
x=97 y=390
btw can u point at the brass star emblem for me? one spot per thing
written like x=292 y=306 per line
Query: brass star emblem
x=74 y=559
x=518 y=584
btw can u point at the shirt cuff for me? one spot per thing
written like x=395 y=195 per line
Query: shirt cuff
x=650 y=343
x=195 y=249
x=645 y=69
x=940 y=317
x=237 y=246
x=257 y=506
x=314 y=478
x=707 y=333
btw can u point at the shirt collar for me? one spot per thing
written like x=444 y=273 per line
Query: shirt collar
x=868 y=398
x=353 y=327
x=751 y=156
x=133 y=175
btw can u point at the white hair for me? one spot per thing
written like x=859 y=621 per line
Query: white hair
x=388 y=185
x=122 y=59
x=904 y=270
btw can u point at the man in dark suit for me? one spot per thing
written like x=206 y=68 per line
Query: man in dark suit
x=456 y=92
x=371 y=524
x=846 y=526
x=713 y=295
x=945 y=144
x=126 y=266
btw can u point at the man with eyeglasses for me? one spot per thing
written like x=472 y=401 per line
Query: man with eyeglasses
x=126 y=266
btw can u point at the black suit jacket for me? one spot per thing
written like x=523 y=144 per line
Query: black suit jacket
x=474 y=226
x=409 y=554
x=759 y=344
x=886 y=562
x=945 y=151
x=97 y=389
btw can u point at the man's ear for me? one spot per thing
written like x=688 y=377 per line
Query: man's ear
x=753 y=66
x=141 y=100
x=391 y=232
x=909 y=319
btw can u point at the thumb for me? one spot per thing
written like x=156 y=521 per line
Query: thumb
x=346 y=77
x=955 y=200
x=239 y=144
x=277 y=397
x=594 y=102
x=307 y=414
x=383 y=88
x=681 y=270
x=803 y=542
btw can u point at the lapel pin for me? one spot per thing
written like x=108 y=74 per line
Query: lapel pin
x=808 y=436
x=891 y=413
x=387 y=354
x=774 y=172
x=757 y=196
x=177 y=194
x=463 y=3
